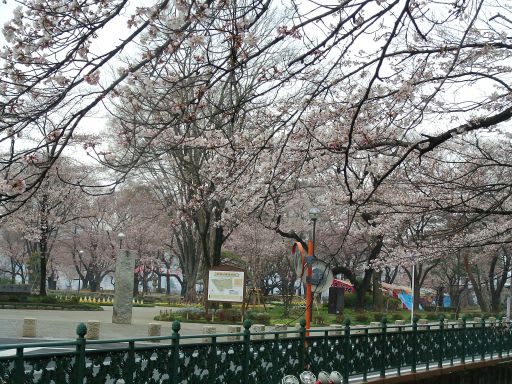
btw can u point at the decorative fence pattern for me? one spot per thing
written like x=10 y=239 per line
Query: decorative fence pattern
x=258 y=357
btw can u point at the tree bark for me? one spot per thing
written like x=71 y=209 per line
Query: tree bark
x=378 y=298
x=484 y=307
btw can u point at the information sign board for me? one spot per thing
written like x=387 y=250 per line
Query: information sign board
x=226 y=286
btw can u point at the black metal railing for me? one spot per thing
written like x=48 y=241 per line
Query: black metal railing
x=257 y=357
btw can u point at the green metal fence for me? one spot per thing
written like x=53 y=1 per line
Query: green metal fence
x=257 y=357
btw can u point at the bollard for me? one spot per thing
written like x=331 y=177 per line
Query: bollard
x=234 y=329
x=93 y=330
x=258 y=328
x=397 y=327
x=357 y=330
x=155 y=329
x=280 y=328
x=422 y=324
x=29 y=327
x=376 y=327
x=297 y=328
x=336 y=329
x=208 y=330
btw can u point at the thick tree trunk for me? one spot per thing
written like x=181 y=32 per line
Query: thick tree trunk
x=43 y=244
x=484 y=307
x=378 y=298
x=190 y=295
x=135 y=284
x=93 y=285
x=417 y=288
x=168 y=284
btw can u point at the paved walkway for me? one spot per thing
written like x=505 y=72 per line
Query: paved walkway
x=62 y=324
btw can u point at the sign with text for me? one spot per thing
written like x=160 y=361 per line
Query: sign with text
x=226 y=286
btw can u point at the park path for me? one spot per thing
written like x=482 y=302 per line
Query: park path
x=62 y=324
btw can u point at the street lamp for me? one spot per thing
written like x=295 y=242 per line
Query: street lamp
x=313 y=215
x=121 y=237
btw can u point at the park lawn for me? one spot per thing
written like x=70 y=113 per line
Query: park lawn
x=275 y=315
x=322 y=318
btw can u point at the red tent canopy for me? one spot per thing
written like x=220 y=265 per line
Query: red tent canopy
x=343 y=284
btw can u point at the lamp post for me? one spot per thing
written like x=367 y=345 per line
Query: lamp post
x=413 y=281
x=121 y=237
x=313 y=215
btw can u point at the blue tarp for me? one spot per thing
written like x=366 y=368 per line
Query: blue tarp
x=406 y=299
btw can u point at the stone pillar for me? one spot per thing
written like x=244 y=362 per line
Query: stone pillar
x=258 y=328
x=93 y=330
x=280 y=328
x=155 y=329
x=123 y=292
x=337 y=329
x=234 y=329
x=208 y=330
x=29 y=327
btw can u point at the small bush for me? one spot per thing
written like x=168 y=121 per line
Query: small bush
x=432 y=316
x=396 y=316
x=233 y=315
x=340 y=318
x=351 y=299
x=165 y=316
x=378 y=316
x=259 y=317
x=393 y=304
x=319 y=319
x=50 y=300
x=361 y=317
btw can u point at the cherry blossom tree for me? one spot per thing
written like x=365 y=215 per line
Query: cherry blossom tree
x=376 y=111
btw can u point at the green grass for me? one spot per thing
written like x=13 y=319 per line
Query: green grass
x=295 y=314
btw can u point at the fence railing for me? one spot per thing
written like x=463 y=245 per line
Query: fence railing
x=258 y=357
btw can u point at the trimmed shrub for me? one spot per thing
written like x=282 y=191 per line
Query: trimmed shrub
x=259 y=317
x=350 y=300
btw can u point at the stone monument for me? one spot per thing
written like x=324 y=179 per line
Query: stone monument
x=123 y=290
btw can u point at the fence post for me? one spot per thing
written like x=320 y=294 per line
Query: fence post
x=463 y=342
x=440 y=342
x=131 y=362
x=414 y=343
x=81 y=330
x=500 y=335
x=302 y=346
x=383 y=347
x=175 y=362
x=365 y=353
x=482 y=344
x=212 y=360
x=346 y=360
x=19 y=367
x=247 y=351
